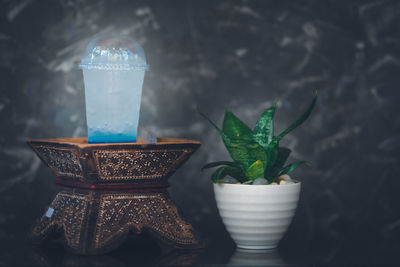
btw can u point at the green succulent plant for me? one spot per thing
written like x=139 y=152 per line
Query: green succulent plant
x=255 y=153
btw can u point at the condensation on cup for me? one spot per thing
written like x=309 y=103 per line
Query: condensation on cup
x=113 y=71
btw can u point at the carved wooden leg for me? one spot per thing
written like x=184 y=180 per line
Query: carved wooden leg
x=94 y=222
x=151 y=212
x=67 y=216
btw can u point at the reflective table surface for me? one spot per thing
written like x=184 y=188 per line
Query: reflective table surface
x=220 y=250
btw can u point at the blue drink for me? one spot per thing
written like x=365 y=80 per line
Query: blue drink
x=113 y=70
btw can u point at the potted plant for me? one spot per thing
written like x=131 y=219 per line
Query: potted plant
x=255 y=196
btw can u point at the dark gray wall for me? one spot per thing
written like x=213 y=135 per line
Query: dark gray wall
x=240 y=55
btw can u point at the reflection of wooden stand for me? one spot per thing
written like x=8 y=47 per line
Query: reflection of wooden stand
x=113 y=189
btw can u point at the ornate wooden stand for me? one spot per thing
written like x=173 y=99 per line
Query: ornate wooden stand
x=112 y=190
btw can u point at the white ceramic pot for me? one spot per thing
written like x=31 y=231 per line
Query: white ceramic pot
x=257 y=216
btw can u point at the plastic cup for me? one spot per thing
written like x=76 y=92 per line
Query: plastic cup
x=113 y=71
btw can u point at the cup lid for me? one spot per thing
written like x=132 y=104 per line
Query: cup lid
x=114 y=52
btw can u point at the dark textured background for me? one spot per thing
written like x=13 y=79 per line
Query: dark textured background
x=239 y=55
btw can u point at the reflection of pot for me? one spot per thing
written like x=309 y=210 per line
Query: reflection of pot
x=250 y=257
x=256 y=216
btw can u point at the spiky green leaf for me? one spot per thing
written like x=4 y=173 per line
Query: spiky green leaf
x=217 y=175
x=292 y=166
x=256 y=170
x=218 y=163
x=221 y=172
x=246 y=152
x=225 y=137
x=283 y=154
x=236 y=173
x=300 y=120
x=264 y=129
x=233 y=127
x=272 y=154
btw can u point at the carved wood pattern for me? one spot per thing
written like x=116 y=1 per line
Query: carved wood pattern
x=62 y=161
x=68 y=216
x=97 y=222
x=137 y=164
x=154 y=212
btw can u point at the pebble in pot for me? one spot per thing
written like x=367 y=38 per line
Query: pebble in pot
x=285 y=179
x=260 y=181
x=285 y=182
x=230 y=180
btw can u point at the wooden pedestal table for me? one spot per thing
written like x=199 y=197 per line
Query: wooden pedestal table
x=111 y=190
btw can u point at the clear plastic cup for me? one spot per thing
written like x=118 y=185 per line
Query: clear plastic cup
x=113 y=71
